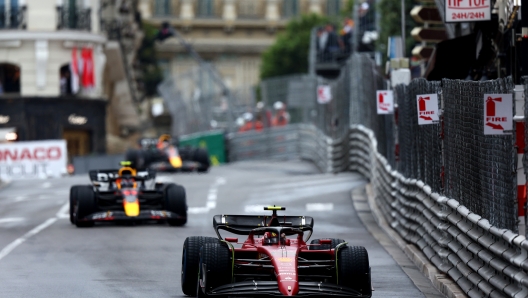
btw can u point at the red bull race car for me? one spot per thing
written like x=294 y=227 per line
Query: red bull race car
x=274 y=260
x=163 y=155
x=127 y=195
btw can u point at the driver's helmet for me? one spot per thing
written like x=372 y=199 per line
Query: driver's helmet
x=270 y=238
x=127 y=182
x=164 y=141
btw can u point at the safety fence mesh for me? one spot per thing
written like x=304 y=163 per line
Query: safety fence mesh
x=453 y=156
x=480 y=170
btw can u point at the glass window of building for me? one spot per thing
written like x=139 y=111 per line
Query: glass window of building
x=290 y=8
x=249 y=8
x=333 y=7
x=162 y=7
x=9 y=79
x=205 y=8
x=9 y=14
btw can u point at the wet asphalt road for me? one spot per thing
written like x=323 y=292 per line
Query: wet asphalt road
x=43 y=255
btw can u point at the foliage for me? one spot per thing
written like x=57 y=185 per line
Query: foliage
x=348 y=9
x=390 y=23
x=147 y=58
x=289 y=53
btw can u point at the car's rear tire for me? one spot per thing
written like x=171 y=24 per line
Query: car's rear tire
x=334 y=243
x=353 y=269
x=201 y=156
x=176 y=202
x=85 y=205
x=190 y=262
x=217 y=259
x=73 y=198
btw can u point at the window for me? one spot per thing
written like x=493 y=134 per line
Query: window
x=162 y=7
x=249 y=8
x=333 y=7
x=9 y=79
x=10 y=14
x=290 y=8
x=205 y=8
x=73 y=15
x=65 y=80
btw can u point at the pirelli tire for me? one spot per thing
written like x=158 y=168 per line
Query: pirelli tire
x=201 y=156
x=176 y=202
x=334 y=243
x=218 y=265
x=190 y=262
x=353 y=269
x=73 y=196
x=85 y=205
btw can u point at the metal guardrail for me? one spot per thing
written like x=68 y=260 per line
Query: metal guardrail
x=295 y=141
x=485 y=261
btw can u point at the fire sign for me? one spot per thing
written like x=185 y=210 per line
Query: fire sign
x=498 y=114
x=385 y=101
x=427 y=105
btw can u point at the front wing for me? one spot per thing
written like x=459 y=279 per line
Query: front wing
x=121 y=216
x=270 y=288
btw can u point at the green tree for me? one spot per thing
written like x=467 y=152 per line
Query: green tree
x=390 y=24
x=289 y=53
x=148 y=60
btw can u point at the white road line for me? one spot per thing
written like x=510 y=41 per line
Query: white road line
x=11 y=219
x=319 y=206
x=11 y=246
x=20 y=199
x=211 y=198
x=64 y=211
x=46 y=185
x=254 y=208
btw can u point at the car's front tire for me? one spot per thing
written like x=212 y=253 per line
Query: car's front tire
x=353 y=269
x=85 y=205
x=190 y=262
x=176 y=202
x=73 y=200
x=219 y=269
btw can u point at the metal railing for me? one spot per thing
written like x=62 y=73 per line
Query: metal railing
x=12 y=17
x=74 y=18
x=446 y=188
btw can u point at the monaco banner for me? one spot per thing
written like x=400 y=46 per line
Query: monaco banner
x=37 y=159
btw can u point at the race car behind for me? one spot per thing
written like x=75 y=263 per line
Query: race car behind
x=164 y=155
x=127 y=195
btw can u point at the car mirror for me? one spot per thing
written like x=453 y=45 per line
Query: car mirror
x=325 y=241
x=231 y=239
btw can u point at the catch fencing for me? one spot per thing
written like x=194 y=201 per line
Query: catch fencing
x=446 y=187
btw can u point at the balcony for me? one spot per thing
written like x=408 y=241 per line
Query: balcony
x=73 y=18
x=12 y=17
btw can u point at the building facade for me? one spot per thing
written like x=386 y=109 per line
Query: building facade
x=46 y=47
x=230 y=34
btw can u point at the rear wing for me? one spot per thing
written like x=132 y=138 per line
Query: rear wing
x=148 y=143
x=106 y=176
x=244 y=224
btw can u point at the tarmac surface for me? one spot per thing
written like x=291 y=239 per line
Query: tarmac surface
x=43 y=255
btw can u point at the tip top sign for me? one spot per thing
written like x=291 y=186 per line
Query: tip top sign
x=467 y=10
x=427 y=105
x=385 y=101
x=498 y=114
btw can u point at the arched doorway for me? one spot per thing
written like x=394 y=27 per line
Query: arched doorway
x=9 y=79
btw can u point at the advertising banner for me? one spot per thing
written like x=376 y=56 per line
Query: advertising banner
x=35 y=159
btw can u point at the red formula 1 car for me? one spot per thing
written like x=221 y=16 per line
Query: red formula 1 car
x=274 y=260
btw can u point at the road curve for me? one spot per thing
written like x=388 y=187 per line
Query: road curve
x=43 y=255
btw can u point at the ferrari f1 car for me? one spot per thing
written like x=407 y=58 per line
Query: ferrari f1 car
x=274 y=260
x=127 y=195
x=164 y=155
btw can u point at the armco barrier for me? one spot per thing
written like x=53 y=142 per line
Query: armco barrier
x=294 y=141
x=483 y=260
